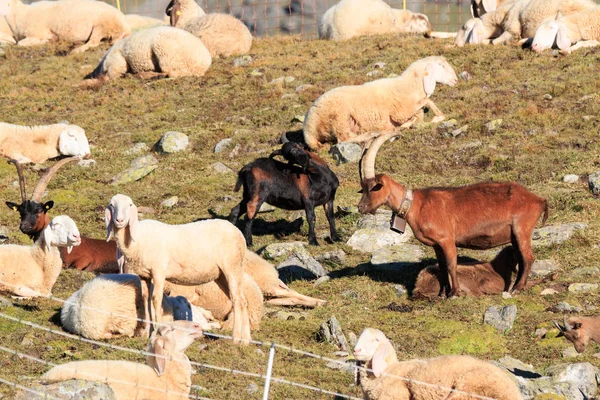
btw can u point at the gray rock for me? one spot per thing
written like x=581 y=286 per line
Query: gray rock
x=450 y=123
x=465 y=76
x=282 y=81
x=242 y=61
x=506 y=295
x=87 y=163
x=459 y=131
x=547 y=96
x=170 y=202
x=4 y=302
x=322 y=280
x=571 y=178
x=331 y=332
x=518 y=367
x=406 y=253
x=352 y=339
x=501 y=318
x=379 y=65
x=542 y=268
x=594 y=183
x=343 y=365
x=583 y=287
x=303 y=88
x=493 y=125
x=301 y=265
x=585 y=375
x=140 y=167
x=145 y=161
x=346 y=152
x=341 y=209
x=554 y=234
x=530 y=388
x=374 y=73
x=252 y=387
x=374 y=233
x=137 y=148
x=69 y=390
x=548 y=292
x=172 y=142
x=570 y=352
x=563 y=306
x=540 y=332
x=585 y=271
x=277 y=250
x=221 y=168
x=335 y=256
x=400 y=290
x=223 y=145
x=265 y=208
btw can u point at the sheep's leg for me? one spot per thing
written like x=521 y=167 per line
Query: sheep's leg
x=32 y=41
x=93 y=41
x=158 y=289
x=285 y=296
x=439 y=116
x=24 y=292
x=143 y=327
x=449 y=249
x=522 y=245
x=502 y=39
x=311 y=218
x=581 y=44
x=328 y=207
x=365 y=137
x=241 y=320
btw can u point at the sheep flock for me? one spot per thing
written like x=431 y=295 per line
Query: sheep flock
x=182 y=162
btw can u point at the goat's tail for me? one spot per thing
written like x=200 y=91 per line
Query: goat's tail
x=241 y=178
x=545 y=212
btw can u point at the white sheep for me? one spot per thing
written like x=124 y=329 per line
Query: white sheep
x=480 y=7
x=582 y=28
x=37 y=144
x=188 y=254
x=111 y=305
x=5 y=32
x=352 y=18
x=159 y=50
x=356 y=113
x=137 y=22
x=223 y=34
x=166 y=375
x=390 y=379
x=518 y=20
x=73 y=21
x=31 y=271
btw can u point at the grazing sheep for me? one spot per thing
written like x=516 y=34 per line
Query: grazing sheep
x=582 y=28
x=167 y=375
x=390 y=379
x=73 y=21
x=484 y=215
x=31 y=271
x=352 y=18
x=357 y=113
x=37 y=144
x=580 y=330
x=156 y=51
x=137 y=22
x=223 y=34
x=5 y=32
x=110 y=305
x=188 y=254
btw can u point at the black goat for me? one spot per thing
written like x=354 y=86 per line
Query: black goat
x=303 y=183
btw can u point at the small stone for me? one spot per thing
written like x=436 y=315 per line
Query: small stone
x=301 y=265
x=170 y=202
x=517 y=367
x=466 y=76
x=221 y=168
x=145 y=161
x=331 y=332
x=352 y=339
x=587 y=117
x=344 y=365
x=277 y=250
x=547 y=96
x=282 y=81
x=140 y=167
x=137 y=148
x=459 y=131
x=540 y=332
x=542 y=268
x=235 y=152
x=501 y=318
x=303 y=88
x=506 y=295
x=335 y=256
x=251 y=388
x=265 y=208
x=374 y=73
x=256 y=73
x=346 y=152
x=322 y=280
x=223 y=145
x=585 y=271
x=242 y=61
x=87 y=163
x=583 y=287
x=4 y=302
x=172 y=142
x=400 y=290
x=548 y=292
x=493 y=125
x=298 y=118
x=27 y=341
x=594 y=183
x=341 y=353
x=447 y=124
x=341 y=209
x=570 y=352
x=571 y=178
x=379 y=65
x=563 y=306
x=555 y=234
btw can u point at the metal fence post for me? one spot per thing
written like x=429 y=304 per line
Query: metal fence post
x=269 y=372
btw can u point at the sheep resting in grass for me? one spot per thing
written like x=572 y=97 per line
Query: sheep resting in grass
x=37 y=144
x=188 y=254
x=75 y=21
x=31 y=271
x=358 y=113
x=155 y=51
x=223 y=34
x=110 y=305
x=5 y=32
x=580 y=330
x=166 y=375
x=582 y=29
x=352 y=18
x=449 y=376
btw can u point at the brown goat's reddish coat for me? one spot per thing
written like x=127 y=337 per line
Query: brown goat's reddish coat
x=93 y=255
x=582 y=330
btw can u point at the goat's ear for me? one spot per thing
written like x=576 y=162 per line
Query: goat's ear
x=48 y=205
x=12 y=206
x=378 y=363
x=133 y=221
x=577 y=325
x=562 y=37
x=108 y=222
x=377 y=187
x=158 y=360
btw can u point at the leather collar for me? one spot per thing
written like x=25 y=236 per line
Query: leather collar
x=406 y=204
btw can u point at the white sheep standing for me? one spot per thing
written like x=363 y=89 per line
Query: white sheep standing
x=166 y=375
x=390 y=379
x=188 y=254
x=38 y=143
x=223 y=34
x=352 y=18
x=31 y=271
x=111 y=305
x=582 y=28
x=73 y=21
x=357 y=113
x=137 y=22
x=159 y=50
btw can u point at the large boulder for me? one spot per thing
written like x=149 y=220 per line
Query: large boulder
x=68 y=390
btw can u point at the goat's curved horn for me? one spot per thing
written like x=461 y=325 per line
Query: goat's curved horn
x=284 y=138
x=567 y=325
x=556 y=324
x=21 y=179
x=38 y=191
x=368 y=161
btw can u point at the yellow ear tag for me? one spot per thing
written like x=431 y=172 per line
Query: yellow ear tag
x=46 y=207
x=178 y=13
x=15 y=208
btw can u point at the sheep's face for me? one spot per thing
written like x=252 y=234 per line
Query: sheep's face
x=419 y=23
x=445 y=73
x=118 y=211
x=464 y=32
x=547 y=34
x=180 y=334
x=62 y=232
x=73 y=142
x=367 y=344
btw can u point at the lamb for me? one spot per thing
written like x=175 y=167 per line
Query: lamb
x=352 y=18
x=166 y=375
x=31 y=271
x=580 y=330
x=447 y=376
x=582 y=28
x=357 y=113
x=110 y=305
x=84 y=21
x=36 y=144
x=484 y=215
x=137 y=22
x=223 y=34
x=182 y=254
x=155 y=51
x=288 y=187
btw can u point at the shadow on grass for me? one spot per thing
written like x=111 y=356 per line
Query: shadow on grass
x=280 y=228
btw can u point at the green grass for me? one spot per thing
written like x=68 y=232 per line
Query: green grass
x=539 y=142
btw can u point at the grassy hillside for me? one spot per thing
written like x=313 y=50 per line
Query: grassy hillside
x=549 y=107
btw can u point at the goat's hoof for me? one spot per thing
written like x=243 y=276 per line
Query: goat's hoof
x=336 y=238
x=313 y=242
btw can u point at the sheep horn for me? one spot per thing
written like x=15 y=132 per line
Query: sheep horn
x=567 y=325
x=38 y=191
x=368 y=159
x=557 y=324
x=21 y=179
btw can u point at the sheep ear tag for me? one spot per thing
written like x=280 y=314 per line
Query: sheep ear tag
x=398 y=224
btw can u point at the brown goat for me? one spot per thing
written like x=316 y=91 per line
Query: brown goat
x=580 y=330
x=96 y=255
x=479 y=216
